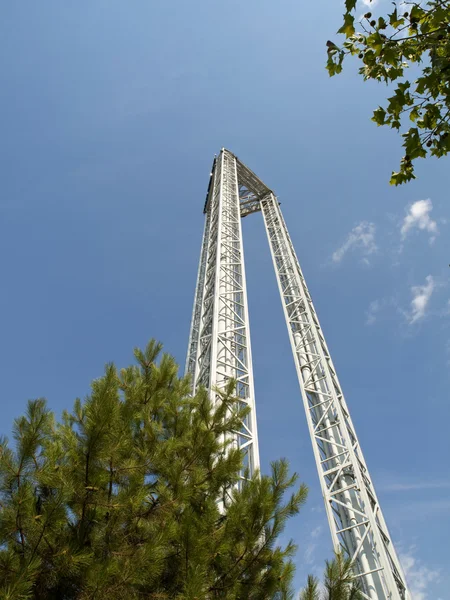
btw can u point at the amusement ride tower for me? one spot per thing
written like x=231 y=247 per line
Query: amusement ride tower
x=219 y=349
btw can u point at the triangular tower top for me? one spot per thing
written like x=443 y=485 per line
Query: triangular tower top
x=251 y=188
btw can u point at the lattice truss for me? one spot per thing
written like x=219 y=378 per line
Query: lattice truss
x=219 y=349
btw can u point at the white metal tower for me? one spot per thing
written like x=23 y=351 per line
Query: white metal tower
x=219 y=349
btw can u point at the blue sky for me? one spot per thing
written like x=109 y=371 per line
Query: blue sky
x=110 y=113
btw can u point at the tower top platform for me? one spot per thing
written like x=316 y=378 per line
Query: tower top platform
x=251 y=189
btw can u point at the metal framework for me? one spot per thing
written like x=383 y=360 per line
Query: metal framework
x=219 y=348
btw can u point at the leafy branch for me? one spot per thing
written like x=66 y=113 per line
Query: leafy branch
x=423 y=105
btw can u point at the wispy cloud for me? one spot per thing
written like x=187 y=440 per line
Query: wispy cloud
x=312 y=545
x=374 y=308
x=422 y=510
x=418 y=575
x=361 y=237
x=418 y=217
x=414 y=486
x=366 y=4
x=382 y=304
x=421 y=298
x=316 y=532
x=309 y=553
x=419 y=304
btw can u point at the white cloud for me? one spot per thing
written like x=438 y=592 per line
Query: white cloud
x=376 y=306
x=391 y=481
x=419 y=305
x=372 y=311
x=412 y=486
x=316 y=532
x=423 y=510
x=311 y=547
x=421 y=297
x=418 y=217
x=363 y=237
x=309 y=553
x=418 y=575
x=366 y=4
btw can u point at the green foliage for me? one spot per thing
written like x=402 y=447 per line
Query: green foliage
x=120 y=499
x=339 y=582
x=311 y=591
x=418 y=35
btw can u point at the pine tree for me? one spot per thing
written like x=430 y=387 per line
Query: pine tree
x=311 y=591
x=339 y=582
x=119 y=500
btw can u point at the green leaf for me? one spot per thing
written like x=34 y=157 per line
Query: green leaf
x=350 y=5
x=431 y=116
x=414 y=114
x=394 y=180
x=394 y=20
x=425 y=26
x=376 y=42
x=379 y=116
x=413 y=144
x=416 y=13
x=421 y=85
x=396 y=103
x=397 y=178
x=395 y=73
x=441 y=145
x=391 y=55
x=404 y=86
x=334 y=66
x=348 y=27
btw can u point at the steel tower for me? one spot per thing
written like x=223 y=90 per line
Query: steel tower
x=219 y=349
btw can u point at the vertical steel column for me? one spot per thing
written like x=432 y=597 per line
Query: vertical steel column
x=192 y=355
x=219 y=346
x=354 y=514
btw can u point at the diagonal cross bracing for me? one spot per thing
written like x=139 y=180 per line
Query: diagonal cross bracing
x=219 y=346
x=219 y=349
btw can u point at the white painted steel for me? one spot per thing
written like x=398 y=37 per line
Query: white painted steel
x=219 y=348
x=191 y=359
x=354 y=514
x=219 y=345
